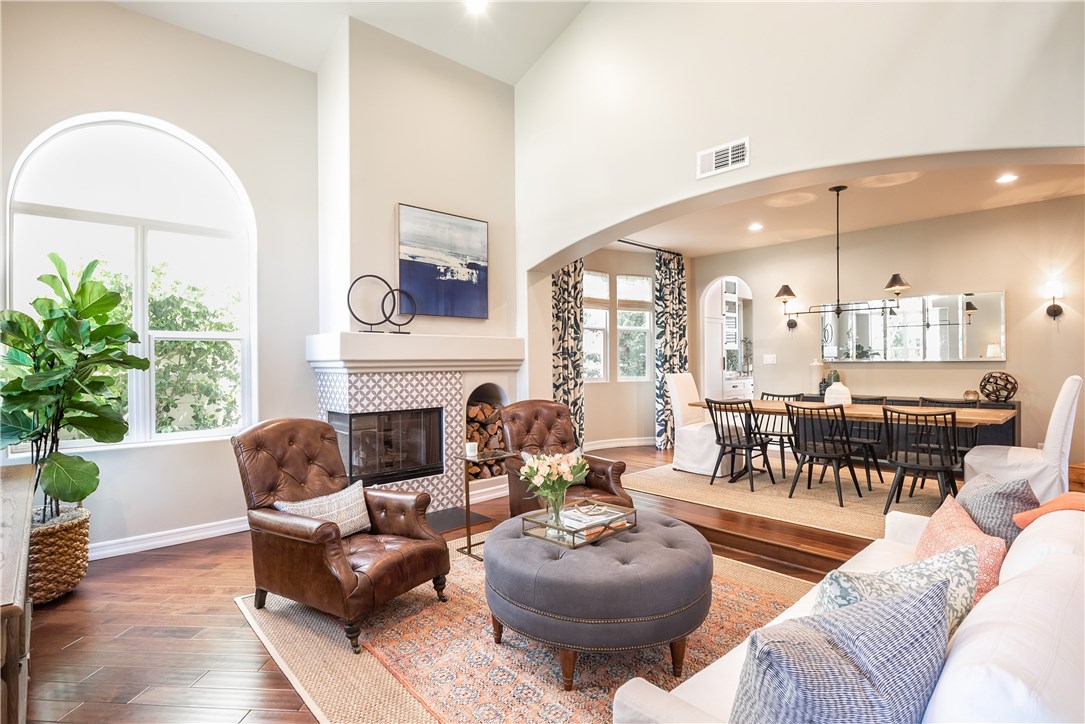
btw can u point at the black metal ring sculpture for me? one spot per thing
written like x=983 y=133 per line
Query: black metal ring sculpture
x=388 y=314
x=398 y=296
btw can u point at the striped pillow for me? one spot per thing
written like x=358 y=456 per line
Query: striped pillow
x=874 y=661
x=992 y=504
x=346 y=509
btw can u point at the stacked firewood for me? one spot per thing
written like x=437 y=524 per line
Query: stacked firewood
x=484 y=427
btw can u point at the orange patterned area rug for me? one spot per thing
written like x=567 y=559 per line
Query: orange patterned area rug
x=428 y=661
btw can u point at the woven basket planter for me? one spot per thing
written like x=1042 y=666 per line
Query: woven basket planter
x=59 y=552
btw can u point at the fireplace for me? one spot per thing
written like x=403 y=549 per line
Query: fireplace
x=390 y=445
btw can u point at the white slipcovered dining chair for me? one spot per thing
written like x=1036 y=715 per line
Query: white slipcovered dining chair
x=695 y=449
x=1047 y=470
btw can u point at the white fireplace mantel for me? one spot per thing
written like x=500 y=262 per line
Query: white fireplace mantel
x=384 y=352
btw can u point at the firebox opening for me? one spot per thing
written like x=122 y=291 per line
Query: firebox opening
x=391 y=445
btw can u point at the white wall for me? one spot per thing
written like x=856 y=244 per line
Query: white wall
x=65 y=59
x=1015 y=249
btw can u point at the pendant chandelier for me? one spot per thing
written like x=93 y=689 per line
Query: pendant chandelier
x=895 y=286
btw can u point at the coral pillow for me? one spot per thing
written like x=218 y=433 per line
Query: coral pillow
x=951 y=527
x=1066 y=501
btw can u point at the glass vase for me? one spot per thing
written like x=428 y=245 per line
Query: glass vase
x=555 y=505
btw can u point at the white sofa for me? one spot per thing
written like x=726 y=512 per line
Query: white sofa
x=1018 y=656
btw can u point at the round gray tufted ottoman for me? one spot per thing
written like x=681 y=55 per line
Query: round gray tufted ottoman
x=648 y=586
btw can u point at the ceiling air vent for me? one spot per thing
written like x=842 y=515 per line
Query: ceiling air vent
x=735 y=154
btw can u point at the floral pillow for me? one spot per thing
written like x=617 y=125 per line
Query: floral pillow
x=959 y=566
x=951 y=527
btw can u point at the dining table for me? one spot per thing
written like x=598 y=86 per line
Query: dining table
x=966 y=416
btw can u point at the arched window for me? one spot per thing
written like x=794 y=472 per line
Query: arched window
x=174 y=232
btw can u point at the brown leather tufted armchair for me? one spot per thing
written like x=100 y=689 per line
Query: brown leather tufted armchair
x=544 y=426
x=305 y=559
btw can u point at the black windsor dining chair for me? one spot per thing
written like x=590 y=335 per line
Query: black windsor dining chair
x=778 y=428
x=921 y=443
x=737 y=429
x=821 y=438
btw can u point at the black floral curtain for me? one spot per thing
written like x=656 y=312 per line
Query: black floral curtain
x=567 y=287
x=672 y=344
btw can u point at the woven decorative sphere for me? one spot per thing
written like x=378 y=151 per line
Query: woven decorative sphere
x=998 y=386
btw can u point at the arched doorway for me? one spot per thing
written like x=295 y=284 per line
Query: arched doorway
x=727 y=328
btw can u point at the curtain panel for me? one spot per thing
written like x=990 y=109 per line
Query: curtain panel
x=672 y=344
x=567 y=291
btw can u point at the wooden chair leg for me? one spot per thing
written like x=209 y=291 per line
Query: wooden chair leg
x=836 y=476
x=499 y=628
x=898 y=483
x=783 y=465
x=353 y=629
x=260 y=598
x=798 y=472
x=765 y=457
x=854 y=478
x=716 y=467
x=439 y=586
x=749 y=466
x=877 y=467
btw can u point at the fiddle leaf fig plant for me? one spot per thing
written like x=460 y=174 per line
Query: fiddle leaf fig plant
x=61 y=372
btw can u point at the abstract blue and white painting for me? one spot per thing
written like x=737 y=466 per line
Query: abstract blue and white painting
x=443 y=262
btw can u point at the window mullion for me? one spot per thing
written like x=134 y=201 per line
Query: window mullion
x=139 y=383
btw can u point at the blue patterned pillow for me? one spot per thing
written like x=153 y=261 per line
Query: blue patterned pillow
x=874 y=661
x=992 y=504
x=959 y=566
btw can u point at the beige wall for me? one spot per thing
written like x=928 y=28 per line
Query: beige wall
x=65 y=59
x=619 y=411
x=609 y=120
x=1013 y=249
x=423 y=131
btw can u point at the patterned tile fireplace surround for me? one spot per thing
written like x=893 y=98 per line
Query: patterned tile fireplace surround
x=360 y=372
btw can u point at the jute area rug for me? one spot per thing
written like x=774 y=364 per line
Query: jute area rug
x=424 y=661
x=817 y=507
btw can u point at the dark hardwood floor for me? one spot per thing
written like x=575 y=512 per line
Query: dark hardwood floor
x=156 y=636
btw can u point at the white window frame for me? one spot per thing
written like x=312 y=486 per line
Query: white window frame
x=141 y=386
x=648 y=339
x=636 y=305
x=605 y=329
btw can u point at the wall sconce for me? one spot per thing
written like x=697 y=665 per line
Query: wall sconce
x=785 y=295
x=969 y=310
x=1053 y=290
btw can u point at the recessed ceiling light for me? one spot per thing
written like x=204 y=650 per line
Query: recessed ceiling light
x=476 y=7
x=755 y=226
x=1006 y=178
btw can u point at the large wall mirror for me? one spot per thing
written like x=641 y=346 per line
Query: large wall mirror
x=966 y=327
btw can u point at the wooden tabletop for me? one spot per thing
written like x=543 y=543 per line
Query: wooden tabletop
x=16 y=489
x=966 y=416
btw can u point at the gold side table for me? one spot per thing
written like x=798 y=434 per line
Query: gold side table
x=480 y=458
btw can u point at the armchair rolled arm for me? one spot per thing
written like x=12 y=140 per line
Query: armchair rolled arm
x=289 y=525
x=395 y=512
x=604 y=474
x=294 y=542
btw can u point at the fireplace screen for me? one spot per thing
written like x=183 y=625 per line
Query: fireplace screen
x=383 y=447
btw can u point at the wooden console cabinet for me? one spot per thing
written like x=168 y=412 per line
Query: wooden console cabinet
x=17 y=492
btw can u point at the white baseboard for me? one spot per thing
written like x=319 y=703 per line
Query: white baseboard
x=620 y=442
x=490 y=488
x=150 y=541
